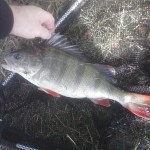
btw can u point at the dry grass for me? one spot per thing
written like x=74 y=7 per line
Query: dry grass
x=107 y=29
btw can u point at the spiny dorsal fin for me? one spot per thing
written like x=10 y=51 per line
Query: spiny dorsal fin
x=61 y=42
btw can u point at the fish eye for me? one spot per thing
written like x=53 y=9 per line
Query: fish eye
x=17 y=56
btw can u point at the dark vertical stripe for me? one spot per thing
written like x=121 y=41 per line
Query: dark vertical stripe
x=96 y=84
x=63 y=68
x=53 y=62
x=79 y=75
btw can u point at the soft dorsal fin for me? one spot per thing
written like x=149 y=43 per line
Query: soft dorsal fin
x=108 y=71
x=61 y=42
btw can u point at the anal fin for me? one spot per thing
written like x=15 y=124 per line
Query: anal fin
x=102 y=102
x=50 y=92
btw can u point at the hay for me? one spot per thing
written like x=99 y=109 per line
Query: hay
x=112 y=27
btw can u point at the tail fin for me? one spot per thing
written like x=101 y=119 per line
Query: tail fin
x=138 y=104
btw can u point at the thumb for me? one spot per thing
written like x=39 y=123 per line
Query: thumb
x=49 y=25
x=43 y=33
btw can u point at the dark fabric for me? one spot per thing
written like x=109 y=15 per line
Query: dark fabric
x=6 y=19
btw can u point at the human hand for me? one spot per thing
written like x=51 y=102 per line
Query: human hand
x=31 y=22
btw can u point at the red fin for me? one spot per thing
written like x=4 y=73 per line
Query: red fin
x=50 y=92
x=139 y=105
x=101 y=102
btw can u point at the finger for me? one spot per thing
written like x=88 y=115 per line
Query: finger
x=43 y=33
x=48 y=21
x=45 y=16
x=49 y=25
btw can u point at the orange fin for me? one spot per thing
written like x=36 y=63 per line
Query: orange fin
x=101 y=102
x=50 y=92
x=139 y=105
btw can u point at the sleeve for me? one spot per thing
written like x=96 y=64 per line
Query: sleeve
x=6 y=19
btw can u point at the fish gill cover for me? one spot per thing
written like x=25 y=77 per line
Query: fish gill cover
x=114 y=32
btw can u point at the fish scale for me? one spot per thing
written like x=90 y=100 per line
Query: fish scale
x=79 y=75
x=88 y=81
x=62 y=70
x=68 y=78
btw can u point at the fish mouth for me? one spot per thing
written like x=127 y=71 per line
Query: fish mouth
x=7 y=65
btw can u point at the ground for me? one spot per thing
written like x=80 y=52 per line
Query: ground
x=107 y=31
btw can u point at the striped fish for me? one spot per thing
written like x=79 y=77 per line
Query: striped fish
x=61 y=69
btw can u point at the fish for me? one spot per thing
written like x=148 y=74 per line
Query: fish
x=61 y=69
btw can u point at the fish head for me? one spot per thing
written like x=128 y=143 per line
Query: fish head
x=22 y=62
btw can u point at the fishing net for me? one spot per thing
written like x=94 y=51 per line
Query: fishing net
x=66 y=123
x=114 y=32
